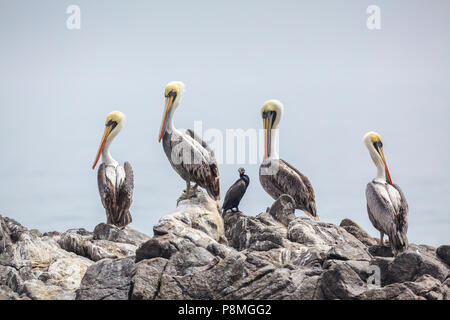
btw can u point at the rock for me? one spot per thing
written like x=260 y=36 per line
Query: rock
x=39 y=290
x=200 y=214
x=283 y=209
x=146 y=281
x=395 y=291
x=107 y=280
x=161 y=247
x=83 y=244
x=52 y=265
x=444 y=253
x=446 y=288
x=427 y=286
x=341 y=282
x=112 y=233
x=358 y=232
x=10 y=230
x=194 y=254
x=381 y=251
x=415 y=262
x=383 y=263
x=11 y=278
x=360 y=267
x=7 y=294
x=36 y=266
x=326 y=237
x=258 y=233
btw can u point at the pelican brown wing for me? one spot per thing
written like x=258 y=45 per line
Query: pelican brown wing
x=402 y=216
x=116 y=202
x=125 y=197
x=206 y=174
x=107 y=192
x=285 y=179
x=385 y=218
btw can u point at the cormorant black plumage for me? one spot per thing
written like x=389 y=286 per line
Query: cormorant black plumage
x=236 y=192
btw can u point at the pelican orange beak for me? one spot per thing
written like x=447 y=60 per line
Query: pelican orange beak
x=106 y=134
x=388 y=175
x=166 y=115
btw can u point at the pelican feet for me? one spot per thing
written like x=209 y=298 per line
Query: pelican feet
x=189 y=193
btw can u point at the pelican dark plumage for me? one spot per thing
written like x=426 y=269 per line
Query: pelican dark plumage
x=236 y=192
x=386 y=203
x=115 y=183
x=278 y=177
x=188 y=154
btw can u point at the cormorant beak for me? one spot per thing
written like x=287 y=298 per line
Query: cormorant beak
x=383 y=159
x=167 y=109
x=106 y=134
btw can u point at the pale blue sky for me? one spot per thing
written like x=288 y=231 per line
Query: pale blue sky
x=336 y=78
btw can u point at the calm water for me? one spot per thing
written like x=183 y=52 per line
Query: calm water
x=337 y=81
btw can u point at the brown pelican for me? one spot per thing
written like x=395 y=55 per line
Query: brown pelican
x=386 y=204
x=236 y=192
x=277 y=176
x=115 y=183
x=189 y=156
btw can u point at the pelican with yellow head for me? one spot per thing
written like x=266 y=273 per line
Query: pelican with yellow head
x=115 y=183
x=188 y=154
x=278 y=177
x=386 y=203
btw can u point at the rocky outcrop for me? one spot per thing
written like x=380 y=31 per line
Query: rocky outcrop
x=52 y=265
x=195 y=254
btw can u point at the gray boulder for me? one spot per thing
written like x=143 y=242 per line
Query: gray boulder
x=107 y=280
x=444 y=253
x=195 y=254
x=358 y=232
x=51 y=265
x=415 y=262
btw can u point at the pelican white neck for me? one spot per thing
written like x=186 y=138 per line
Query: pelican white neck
x=274 y=143
x=170 y=126
x=381 y=171
x=107 y=159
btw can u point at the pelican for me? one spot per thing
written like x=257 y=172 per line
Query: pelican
x=386 y=204
x=236 y=192
x=189 y=155
x=278 y=177
x=115 y=183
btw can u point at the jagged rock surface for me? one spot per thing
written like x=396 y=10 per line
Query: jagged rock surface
x=52 y=265
x=194 y=254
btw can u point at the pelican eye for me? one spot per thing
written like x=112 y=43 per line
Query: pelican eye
x=171 y=94
x=378 y=145
x=112 y=123
x=272 y=115
x=268 y=113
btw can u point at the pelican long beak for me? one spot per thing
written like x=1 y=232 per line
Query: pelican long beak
x=166 y=115
x=267 y=123
x=388 y=175
x=106 y=134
